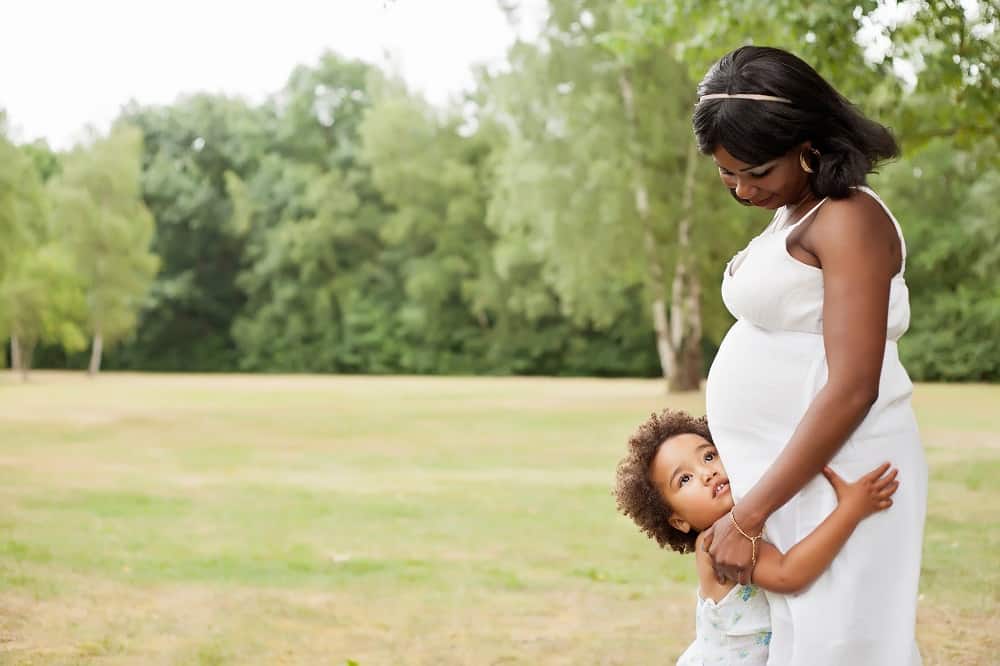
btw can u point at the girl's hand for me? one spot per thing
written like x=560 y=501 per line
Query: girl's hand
x=731 y=552
x=869 y=494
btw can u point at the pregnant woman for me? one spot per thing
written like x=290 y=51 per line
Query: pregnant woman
x=809 y=374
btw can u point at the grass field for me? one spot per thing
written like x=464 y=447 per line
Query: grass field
x=163 y=519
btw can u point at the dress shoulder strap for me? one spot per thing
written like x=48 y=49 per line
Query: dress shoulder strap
x=808 y=214
x=899 y=229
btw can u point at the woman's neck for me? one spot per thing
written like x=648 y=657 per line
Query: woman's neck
x=795 y=210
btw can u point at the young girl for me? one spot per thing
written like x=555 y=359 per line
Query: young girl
x=673 y=485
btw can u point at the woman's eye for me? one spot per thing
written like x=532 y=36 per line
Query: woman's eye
x=761 y=174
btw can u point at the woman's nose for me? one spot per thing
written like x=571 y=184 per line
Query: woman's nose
x=743 y=189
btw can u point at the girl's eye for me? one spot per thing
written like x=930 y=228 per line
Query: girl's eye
x=761 y=174
x=709 y=457
x=685 y=478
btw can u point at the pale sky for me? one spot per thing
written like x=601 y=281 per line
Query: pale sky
x=68 y=63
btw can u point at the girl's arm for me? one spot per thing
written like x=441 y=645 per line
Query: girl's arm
x=806 y=560
x=708 y=586
x=859 y=251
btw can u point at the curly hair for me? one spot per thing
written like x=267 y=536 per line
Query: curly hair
x=635 y=493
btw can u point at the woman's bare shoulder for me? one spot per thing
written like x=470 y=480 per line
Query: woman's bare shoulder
x=858 y=205
x=857 y=226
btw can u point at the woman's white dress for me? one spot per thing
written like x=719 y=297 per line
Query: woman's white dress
x=770 y=366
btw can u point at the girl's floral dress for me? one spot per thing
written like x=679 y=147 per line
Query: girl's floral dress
x=737 y=630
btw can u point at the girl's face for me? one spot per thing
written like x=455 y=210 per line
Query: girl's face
x=690 y=477
x=772 y=184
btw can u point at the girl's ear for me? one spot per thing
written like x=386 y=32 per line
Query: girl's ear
x=679 y=524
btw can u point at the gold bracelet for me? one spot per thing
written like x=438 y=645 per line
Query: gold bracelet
x=753 y=542
x=732 y=516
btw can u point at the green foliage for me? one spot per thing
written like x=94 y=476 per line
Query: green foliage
x=319 y=294
x=42 y=300
x=946 y=200
x=40 y=295
x=953 y=46
x=98 y=210
x=23 y=211
x=187 y=149
x=346 y=225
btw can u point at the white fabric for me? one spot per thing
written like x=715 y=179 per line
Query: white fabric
x=770 y=366
x=736 y=630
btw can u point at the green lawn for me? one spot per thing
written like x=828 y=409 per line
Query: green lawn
x=164 y=519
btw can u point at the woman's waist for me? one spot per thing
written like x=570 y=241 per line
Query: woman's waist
x=792 y=330
x=779 y=365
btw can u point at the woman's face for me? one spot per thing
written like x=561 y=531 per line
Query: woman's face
x=772 y=184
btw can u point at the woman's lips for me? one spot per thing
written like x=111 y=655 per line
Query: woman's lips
x=762 y=201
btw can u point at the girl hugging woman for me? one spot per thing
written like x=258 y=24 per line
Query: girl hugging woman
x=673 y=485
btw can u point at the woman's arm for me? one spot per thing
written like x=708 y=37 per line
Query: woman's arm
x=806 y=560
x=859 y=252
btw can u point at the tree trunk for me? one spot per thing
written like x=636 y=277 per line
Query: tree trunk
x=27 y=351
x=95 y=354
x=15 y=353
x=685 y=306
x=654 y=275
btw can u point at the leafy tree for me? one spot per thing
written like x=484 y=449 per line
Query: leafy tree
x=40 y=297
x=42 y=301
x=946 y=198
x=23 y=220
x=435 y=236
x=319 y=297
x=187 y=149
x=98 y=208
x=600 y=181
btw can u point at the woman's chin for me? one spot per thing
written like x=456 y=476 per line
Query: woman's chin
x=770 y=203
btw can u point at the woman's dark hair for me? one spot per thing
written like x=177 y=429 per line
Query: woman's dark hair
x=635 y=493
x=850 y=145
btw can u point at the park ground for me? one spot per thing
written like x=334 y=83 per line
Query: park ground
x=196 y=519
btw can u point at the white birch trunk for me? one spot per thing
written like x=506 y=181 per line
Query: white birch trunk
x=95 y=354
x=655 y=278
x=685 y=306
x=15 y=353
x=27 y=351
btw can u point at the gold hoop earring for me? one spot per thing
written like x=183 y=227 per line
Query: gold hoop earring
x=802 y=160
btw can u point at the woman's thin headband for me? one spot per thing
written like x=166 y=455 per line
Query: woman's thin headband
x=759 y=98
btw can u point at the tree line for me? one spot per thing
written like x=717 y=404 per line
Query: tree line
x=558 y=221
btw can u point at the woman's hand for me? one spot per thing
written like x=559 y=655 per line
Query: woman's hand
x=731 y=552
